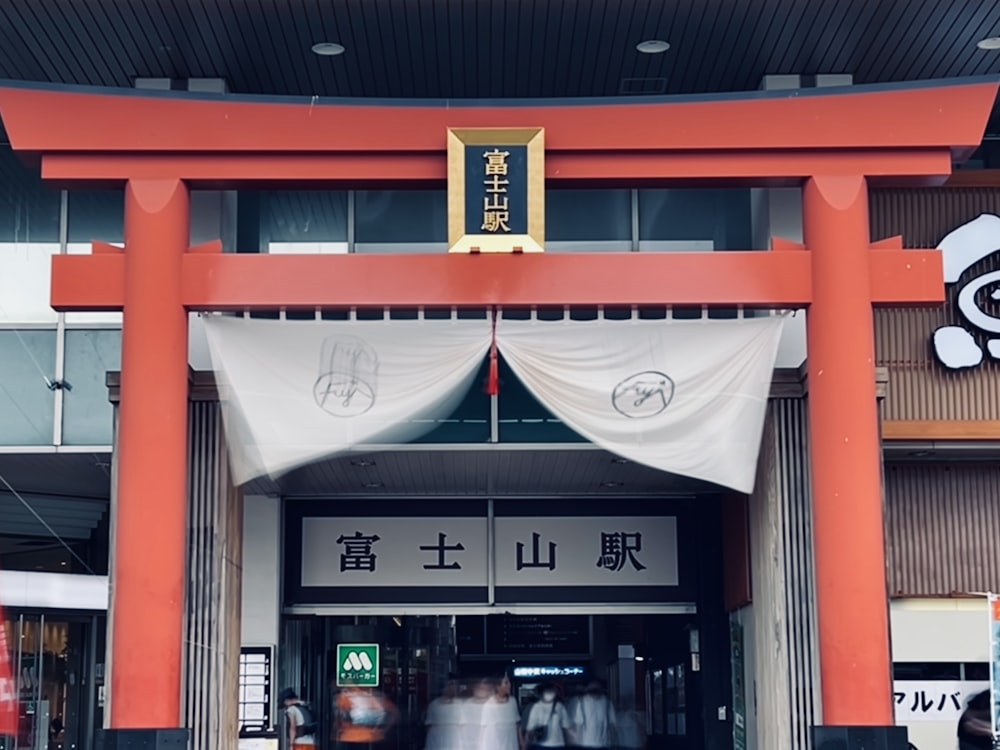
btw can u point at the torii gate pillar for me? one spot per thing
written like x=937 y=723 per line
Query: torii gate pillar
x=845 y=449
x=151 y=524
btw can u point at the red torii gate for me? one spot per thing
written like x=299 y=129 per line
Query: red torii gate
x=834 y=143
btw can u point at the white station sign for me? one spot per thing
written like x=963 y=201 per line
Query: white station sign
x=526 y=551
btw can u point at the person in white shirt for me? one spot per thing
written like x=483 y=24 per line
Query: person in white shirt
x=444 y=720
x=501 y=720
x=548 y=720
x=594 y=718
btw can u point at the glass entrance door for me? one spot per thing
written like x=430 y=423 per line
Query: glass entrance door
x=51 y=660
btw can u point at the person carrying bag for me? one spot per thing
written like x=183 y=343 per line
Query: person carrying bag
x=548 y=720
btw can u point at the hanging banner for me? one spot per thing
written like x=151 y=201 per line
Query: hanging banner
x=8 y=692
x=687 y=397
x=297 y=391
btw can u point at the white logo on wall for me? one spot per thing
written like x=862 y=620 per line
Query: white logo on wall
x=357 y=662
x=957 y=346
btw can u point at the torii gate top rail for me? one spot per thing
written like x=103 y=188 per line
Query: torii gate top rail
x=894 y=131
x=900 y=134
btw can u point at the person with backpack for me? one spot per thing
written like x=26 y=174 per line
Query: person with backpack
x=302 y=725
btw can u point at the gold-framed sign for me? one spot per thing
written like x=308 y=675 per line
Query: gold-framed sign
x=496 y=190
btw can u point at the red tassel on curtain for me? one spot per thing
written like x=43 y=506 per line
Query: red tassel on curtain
x=493 y=383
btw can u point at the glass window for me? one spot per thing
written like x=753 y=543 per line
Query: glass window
x=25 y=282
x=90 y=354
x=53 y=685
x=582 y=220
x=470 y=422
x=94 y=216
x=36 y=552
x=974 y=670
x=522 y=418
x=29 y=209
x=29 y=236
x=27 y=405
x=926 y=671
x=293 y=221
x=401 y=221
x=75 y=540
x=695 y=219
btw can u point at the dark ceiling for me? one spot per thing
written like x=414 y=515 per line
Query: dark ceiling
x=492 y=48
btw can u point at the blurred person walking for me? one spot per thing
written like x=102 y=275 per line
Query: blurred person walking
x=302 y=725
x=548 y=721
x=501 y=719
x=594 y=718
x=975 y=727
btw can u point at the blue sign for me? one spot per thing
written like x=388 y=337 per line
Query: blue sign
x=549 y=671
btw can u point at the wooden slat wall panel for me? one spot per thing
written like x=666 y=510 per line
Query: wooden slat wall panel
x=919 y=387
x=942 y=527
x=215 y=532
x=214 y=566
x=781 y=547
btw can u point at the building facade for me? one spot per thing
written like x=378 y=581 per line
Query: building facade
x=157 y=590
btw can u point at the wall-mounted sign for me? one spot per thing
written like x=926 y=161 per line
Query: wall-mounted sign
x=524 y=636
x=378 y=552
x=496 y=190
x=966 y=252
x=373 y=552
x=255 y=689
x=552 y=635
x=561 y=671
x=933 y=700
x=358 y=665
x=595 y=551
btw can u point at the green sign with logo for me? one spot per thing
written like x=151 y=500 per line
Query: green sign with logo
x=357 y=665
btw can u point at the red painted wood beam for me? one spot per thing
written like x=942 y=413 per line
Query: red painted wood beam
x=906 y=277
x=217 y=281
x=947 y=114
x=235 y=281
x=848 y=523
x=151 y=516
x=358 y=169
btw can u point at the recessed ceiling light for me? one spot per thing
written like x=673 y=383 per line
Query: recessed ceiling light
x=653 y=46
x=372 y=485
x=611 y=485
x=990 y=42
x=619 y=461
x=362 y=463
x=328 y=49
